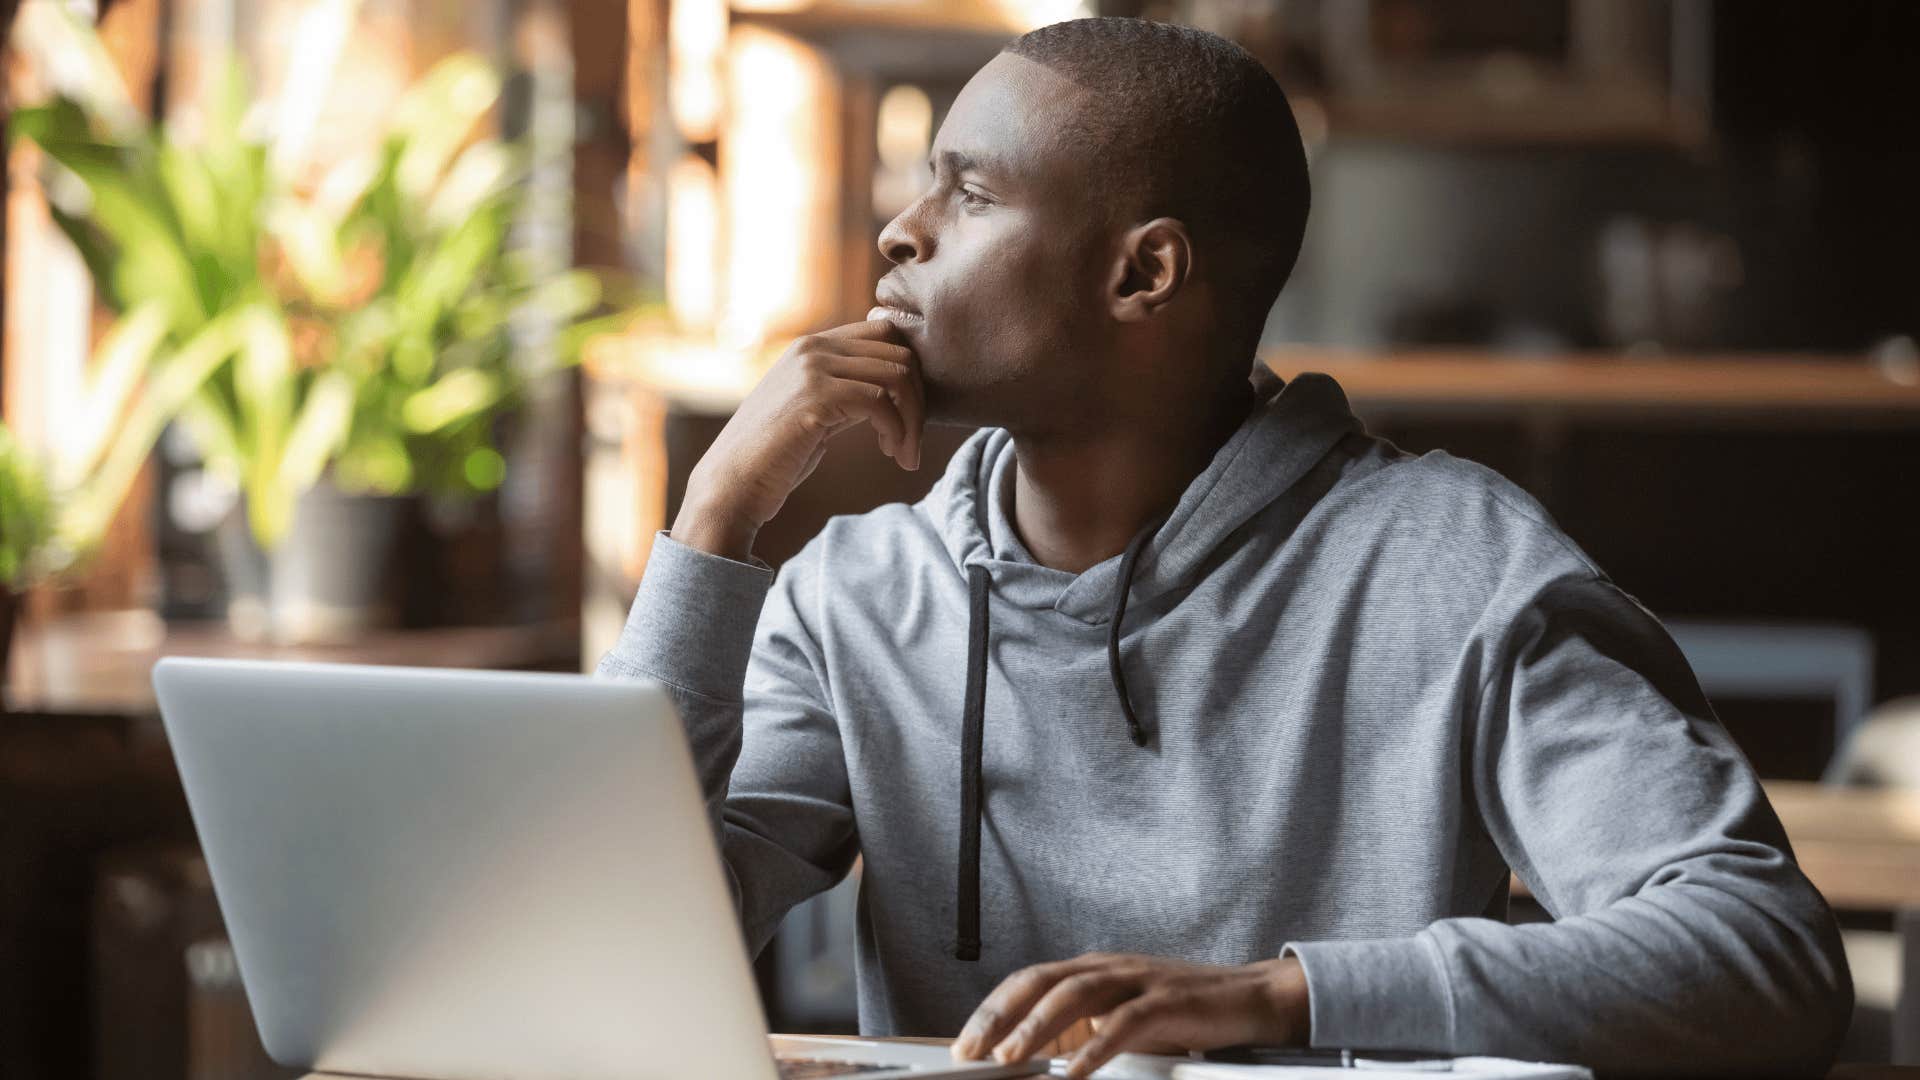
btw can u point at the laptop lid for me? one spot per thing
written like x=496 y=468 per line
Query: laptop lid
x=459 y=874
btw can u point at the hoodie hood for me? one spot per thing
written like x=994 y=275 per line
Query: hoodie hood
x=1290 y=429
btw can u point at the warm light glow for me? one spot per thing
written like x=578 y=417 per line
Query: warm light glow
x=903 y=130
x=335 y=76
x=779 y=166
x=693 y=243
x=322 y=30
x=905 y=127
x=773 y=7
x=696 y=44
x=1032 y=14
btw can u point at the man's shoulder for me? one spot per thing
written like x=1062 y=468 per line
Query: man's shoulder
x=1456 y=506
x=1439 y=480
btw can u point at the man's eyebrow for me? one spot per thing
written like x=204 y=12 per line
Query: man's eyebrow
x=961 y=161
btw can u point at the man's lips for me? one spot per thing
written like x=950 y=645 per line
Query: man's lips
x=901 y=317
x=895 y=306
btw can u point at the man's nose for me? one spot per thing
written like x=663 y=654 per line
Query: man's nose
x=899 y=243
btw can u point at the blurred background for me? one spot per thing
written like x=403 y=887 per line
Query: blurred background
x=388 y=331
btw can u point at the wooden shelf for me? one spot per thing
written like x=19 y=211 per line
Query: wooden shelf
x=1798 y=388
x=1762 y=385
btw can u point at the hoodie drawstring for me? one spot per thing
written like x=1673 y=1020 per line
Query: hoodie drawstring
x=1127 y=561
x=966 y=941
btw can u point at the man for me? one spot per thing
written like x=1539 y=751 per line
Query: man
x=1181 y=703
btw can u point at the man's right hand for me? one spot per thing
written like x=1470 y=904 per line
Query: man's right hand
x=823 y=384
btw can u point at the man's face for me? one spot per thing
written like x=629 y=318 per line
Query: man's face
x=1002 y=256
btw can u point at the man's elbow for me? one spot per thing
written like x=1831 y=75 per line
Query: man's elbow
x=1836 y=983
x=1781 y=992
x=1813 y=1016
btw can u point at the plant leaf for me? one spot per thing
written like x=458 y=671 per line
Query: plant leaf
x=457 y=396
x=318 y=433
x=122 y=358
x=263 y=384
x=196 y=200
x=311 y=242
x=434 y=118
x=144 y=256
x=482 y=173
x=173 y=382
x=67 y=49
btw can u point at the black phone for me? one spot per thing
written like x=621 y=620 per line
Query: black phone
x=1335 y=1058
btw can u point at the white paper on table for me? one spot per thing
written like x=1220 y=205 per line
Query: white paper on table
x=1480 y=1068
x=1132 y=1067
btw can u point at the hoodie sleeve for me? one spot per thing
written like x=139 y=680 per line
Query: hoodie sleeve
x=1686 y=938
x=726 y=640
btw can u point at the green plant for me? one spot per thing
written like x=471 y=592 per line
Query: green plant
x=370 y=325
x=404 y=280
x=26 y=514
x=125 y=403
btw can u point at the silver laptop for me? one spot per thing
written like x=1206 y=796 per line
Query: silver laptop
x=472 y=875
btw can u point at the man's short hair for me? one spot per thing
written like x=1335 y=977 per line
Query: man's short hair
x=1187 y=124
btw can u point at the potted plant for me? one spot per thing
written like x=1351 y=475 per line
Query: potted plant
x=376 y=316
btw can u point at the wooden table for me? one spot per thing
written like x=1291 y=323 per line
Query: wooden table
x=103 y=663
x=87 y=781
x=1840 y=1072
x=1861 y=848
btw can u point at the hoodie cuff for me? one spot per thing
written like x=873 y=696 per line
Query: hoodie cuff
x=692 y=622
x=1384 y=994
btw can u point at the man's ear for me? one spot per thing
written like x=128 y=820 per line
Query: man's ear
x=1155 y=259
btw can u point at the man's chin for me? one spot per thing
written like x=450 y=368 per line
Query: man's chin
x=947 y=408
x=962 y=402
x=938 y=402
x=945 y=404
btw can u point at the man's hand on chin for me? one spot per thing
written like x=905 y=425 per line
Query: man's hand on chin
x=1140 y=1003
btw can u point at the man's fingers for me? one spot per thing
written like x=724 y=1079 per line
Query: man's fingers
x=870 y=329
x=904 y=373
x=902 y=387
x=1132 y=1024
x=1074 y=998
x=885 y=350
x=872 y=402
x=1008 y=1005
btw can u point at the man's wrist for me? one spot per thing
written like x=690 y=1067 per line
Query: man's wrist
x=1286 y=988
x=706 y=525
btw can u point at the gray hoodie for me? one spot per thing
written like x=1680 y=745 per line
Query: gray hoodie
x=1350 y=688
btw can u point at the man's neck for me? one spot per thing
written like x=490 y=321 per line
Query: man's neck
x=1078 y=501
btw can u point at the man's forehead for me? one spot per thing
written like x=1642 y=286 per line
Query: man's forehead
x=1005 y=122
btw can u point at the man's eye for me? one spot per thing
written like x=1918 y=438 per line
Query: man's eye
x=973 y=198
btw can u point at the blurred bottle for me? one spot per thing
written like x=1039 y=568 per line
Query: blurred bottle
x=1664 y=286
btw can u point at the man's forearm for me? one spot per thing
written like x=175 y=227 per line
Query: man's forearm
x=1679 y=977
x=691 y=629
